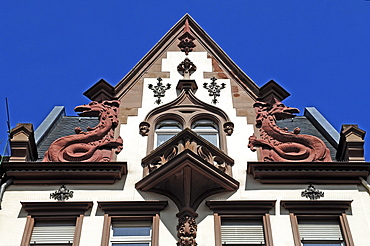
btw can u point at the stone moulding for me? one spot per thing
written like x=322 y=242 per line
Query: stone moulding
x=277 y=144
x=65 y=173
x=96 y=144
x=308 y=172
x=328 y=207
x=56 y=209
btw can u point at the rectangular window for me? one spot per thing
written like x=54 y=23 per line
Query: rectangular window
x=131 y=233
x=320 y=233
x=52 y=233
x=242 y=232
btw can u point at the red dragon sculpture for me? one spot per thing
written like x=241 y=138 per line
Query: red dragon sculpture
x=96 y=144
x=279 y=145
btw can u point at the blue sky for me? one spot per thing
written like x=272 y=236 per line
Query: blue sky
x=53 y=51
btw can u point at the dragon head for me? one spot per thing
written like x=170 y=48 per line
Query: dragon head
x=274 y=108
x=280 y=111
x=94 y=109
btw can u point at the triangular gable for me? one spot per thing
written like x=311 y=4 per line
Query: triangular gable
x=201 y=38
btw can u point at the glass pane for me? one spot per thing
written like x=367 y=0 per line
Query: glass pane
x=204 y=124
x=169 y=124
x=131 y=231
x=161 y=138
x=212 y=138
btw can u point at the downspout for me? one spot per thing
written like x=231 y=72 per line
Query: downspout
x=3 y=188
x=365 y=184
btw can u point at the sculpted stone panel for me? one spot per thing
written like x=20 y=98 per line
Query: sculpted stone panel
x=279 y=145
x=94 y=145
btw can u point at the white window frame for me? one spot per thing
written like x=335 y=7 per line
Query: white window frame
x=171 y=132
x=213 y=129
x=131 y=239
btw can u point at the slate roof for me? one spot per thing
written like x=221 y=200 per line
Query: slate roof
x=65 y=127
x=306 y=128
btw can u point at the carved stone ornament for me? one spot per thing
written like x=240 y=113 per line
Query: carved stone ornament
x=312 y=193
x=96 y=144
x=229 y=128
x=144 y=128
x=186 y=68
x=187 y=231
x=214 y=89
x=188 y=140
x=61 y=194
x=279 y=145
x=186 y=40
x=159 y=90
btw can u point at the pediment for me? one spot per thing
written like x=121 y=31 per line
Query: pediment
x=170 y=41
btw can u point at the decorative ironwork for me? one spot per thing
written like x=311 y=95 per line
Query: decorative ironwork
x=187 y=231
x=159 y=90
x=312 y=193
x=186 y=68
x=61 y=194
x=214 y=89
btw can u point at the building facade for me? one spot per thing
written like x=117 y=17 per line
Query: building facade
x=185 y=150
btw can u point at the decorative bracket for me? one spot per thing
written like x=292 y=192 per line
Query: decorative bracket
x=61 y=194
x=159 y=90
x=312 y=193
x=214 y=89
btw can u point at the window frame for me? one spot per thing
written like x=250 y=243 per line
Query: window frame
x=255 y=210
x=214 y=131
x=186 y=108
x=132 y=239
x=171 y=132
x=121 y=211
x=54 y=211
x=319 y=210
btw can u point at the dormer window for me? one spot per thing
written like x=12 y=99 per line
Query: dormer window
x=208 y=130
x=165 y=130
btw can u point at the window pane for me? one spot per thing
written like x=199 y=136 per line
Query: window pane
x=131 y=231
x=161 y=138
x=169 y=124
x=212 y=138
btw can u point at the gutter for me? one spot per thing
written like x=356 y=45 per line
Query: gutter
x=3 y=188
x=365 y=184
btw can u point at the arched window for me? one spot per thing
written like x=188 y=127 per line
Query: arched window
x=208 y=130
x=166 y=129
